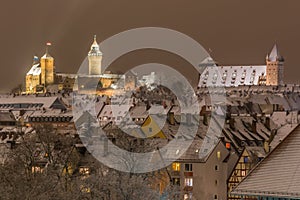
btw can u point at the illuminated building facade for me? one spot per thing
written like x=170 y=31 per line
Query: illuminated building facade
x=233 y=76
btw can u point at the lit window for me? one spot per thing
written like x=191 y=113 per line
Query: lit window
x=215 y=77
x=176 y=181
x=36 y=169
x=206 y=74
x=188 y=196
x=233 y=75
x=85 y=189
x=243 y=172
x=244 y=74
x=228 y=145
x=84 y=170
x=176 y=166
x=188 y=167
x=219 y=155
x=188 y=182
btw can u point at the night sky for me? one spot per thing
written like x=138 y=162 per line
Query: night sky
x=238 y=32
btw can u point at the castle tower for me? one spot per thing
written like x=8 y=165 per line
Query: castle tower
x=47 y=68
x=274 y=71
x=32 y=78
x=95 y=59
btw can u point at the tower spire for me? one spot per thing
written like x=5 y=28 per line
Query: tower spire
x=48 y=44
x=275 y=55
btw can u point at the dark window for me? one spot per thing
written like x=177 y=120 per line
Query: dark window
x=216 y=167
x=188 y=167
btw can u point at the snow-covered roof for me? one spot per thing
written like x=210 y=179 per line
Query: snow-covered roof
x=34 y=70
x=46 y=55
x=278 y=174
x=114 y=111
x=46 y=102
x=229 y=76
x=51 y=113
x=7 y=117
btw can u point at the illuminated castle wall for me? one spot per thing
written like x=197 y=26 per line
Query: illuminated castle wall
x=41 y=74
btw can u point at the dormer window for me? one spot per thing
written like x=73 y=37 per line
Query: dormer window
x=234 y=74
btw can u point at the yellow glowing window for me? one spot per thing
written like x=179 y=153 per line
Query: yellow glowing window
x=84 y=170
x=36 y=169
x=243 y=173
x=176 y=166
x=219 y=155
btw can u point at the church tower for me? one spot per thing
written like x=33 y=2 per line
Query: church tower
x=95 y=59
x=274 y=70
x=47 y=68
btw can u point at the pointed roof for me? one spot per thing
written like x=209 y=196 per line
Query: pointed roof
x=47 y=55
x=208 y=61
x=278 y=175
x=95 y=49
x=274 y=55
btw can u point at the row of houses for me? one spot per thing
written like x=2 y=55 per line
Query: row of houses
x=253 y=126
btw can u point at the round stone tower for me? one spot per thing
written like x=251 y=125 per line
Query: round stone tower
x=95 y=59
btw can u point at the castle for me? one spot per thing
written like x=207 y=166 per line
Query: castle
x=232 y=76
x=42 y=76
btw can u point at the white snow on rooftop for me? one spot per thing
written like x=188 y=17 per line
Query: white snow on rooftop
x=231 y=75
x=35 y=70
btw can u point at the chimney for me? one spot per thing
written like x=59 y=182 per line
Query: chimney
x=171 y=118
x=267 y=146
x=206 y=118
x=254 y=129
x=231 y=123
x=268 y=123
x=164 y=104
